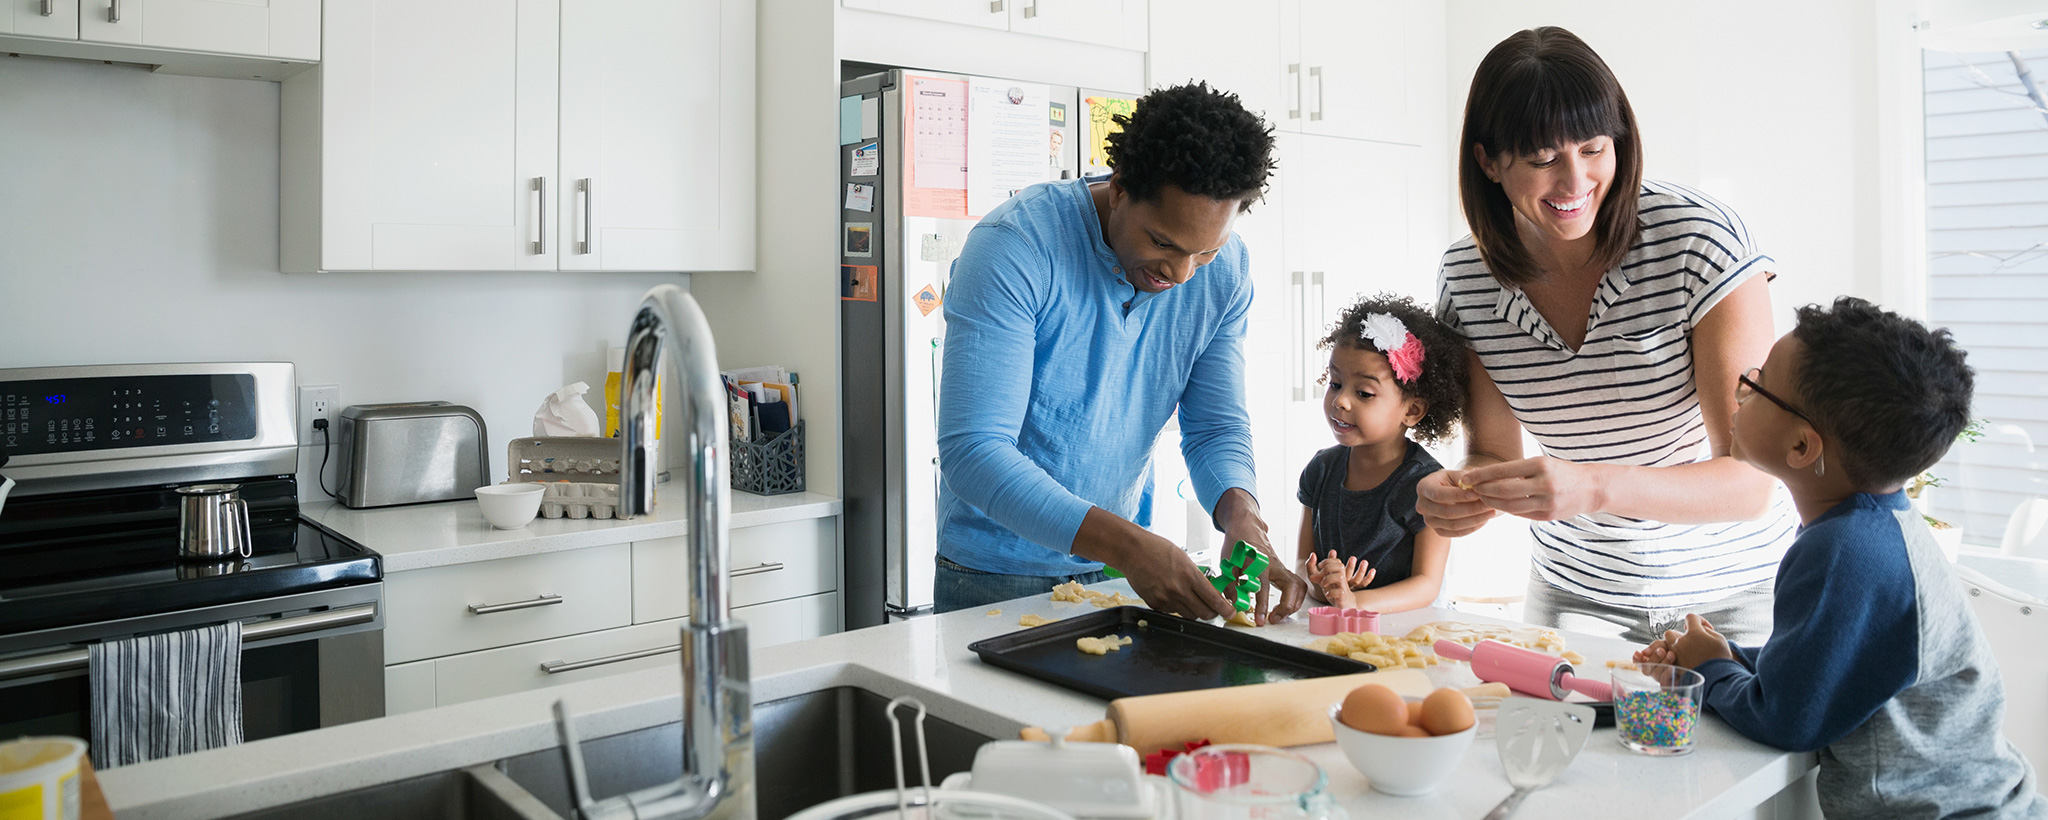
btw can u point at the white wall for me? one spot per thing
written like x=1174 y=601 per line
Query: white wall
x=138 y=223
x=1769 y=106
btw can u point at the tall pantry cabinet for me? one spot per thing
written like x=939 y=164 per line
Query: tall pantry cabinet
x=503 y=135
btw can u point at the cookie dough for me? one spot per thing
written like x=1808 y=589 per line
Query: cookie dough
x=1033 y=620
x=1103 y=645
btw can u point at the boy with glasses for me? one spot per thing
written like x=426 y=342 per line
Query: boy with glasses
x=1875 y=658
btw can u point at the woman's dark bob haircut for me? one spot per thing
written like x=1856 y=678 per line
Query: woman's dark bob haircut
x=1539 y=89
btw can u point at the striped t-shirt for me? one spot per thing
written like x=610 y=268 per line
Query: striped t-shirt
x=1627 y=396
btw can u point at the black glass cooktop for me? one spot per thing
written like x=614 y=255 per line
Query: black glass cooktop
x=80 y=575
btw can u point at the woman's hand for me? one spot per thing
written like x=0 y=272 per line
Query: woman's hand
x=1541 y=488
x=1449 y=506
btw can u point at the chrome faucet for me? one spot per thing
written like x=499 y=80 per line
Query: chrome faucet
x=718 y=736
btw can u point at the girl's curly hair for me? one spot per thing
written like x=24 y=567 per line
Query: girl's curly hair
x=1442 y=383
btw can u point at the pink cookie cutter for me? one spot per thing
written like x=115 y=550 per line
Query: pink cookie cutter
x=1329 y=620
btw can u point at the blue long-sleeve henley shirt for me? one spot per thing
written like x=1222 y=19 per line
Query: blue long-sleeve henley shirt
x=1059 y=376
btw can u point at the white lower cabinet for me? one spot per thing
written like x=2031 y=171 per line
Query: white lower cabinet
x=468 y=631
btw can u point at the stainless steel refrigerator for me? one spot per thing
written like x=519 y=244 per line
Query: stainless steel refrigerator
x=911 y=187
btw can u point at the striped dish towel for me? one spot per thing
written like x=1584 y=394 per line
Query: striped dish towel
x=162 y=695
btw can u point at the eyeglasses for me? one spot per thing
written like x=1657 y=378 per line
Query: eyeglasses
x=1746 y=385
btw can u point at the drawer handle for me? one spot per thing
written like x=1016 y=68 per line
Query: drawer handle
x=766 y=566
x=486 y=609
x=558 y=667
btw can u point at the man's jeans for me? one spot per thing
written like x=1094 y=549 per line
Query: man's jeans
x=959 y=587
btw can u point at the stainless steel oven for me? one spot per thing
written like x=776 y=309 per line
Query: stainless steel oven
x=89 y=544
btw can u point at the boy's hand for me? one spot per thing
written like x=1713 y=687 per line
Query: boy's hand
x=1659 y=650
x=1700 y=643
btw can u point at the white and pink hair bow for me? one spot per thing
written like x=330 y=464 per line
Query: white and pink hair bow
x=1391 y=338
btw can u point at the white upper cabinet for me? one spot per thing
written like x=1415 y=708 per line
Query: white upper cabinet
x=1345 y=68
x=523 y=135
x=240 y=39
x=657 y=130
x=288 y=29
x=1116 y=23
x=57 y=19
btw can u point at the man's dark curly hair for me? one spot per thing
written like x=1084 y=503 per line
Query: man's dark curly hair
x=1197 y=139
x=1892 y=393
x=1442 y=383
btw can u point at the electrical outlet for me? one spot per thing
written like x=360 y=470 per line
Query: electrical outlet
x=318 y=401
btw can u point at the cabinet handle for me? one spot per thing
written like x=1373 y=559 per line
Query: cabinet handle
x=1298 y=322
x=766 y=566
x=995 y=7
x=558 y=667
x=49 y=7
x=549 y=599
x=583 y=185
x=1294 y=70
x=1309 y=332
x=114 y=11
x=540 y=238
x=1317 y=73
x=1031 y=10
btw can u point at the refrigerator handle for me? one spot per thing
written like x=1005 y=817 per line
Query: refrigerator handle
x=1298 y=307
x=995 y=7
x=1317 y=73
x=1294 y=71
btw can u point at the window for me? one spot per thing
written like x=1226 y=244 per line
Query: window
x=1987 y=243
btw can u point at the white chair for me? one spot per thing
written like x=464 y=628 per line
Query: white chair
x=2026 y=532
x=2016 y=624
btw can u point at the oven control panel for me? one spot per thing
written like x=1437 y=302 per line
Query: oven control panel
x=70 y=415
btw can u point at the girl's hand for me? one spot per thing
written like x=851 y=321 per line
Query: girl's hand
x=1448 y=504
x=1357 y=572
x=1540 y=488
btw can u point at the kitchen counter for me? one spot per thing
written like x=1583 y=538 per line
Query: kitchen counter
x=419 y=536
x=1726 y=776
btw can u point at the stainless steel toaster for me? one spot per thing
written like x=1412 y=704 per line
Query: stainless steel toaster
x=410 y=453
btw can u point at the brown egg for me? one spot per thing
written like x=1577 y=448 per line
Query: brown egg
x=1414 y=731
x=1446 y=712
x=1415 y=713
x=1374 y=708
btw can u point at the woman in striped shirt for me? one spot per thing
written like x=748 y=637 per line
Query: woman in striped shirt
x=1612 y=329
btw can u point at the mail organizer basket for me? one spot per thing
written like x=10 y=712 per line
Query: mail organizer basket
x=771 y=467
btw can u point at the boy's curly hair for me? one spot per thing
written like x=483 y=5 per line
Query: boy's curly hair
x=1196 y=138
x=1442 y=383
x=1893 y=393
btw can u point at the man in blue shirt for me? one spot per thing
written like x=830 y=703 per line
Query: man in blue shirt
x=1080 y=316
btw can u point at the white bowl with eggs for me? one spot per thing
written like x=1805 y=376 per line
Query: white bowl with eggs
x=1398 y=765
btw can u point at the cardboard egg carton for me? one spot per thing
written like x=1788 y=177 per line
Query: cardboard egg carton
x=581 y=474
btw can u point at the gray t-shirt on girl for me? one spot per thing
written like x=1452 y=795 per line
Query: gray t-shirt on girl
x=1376 y=525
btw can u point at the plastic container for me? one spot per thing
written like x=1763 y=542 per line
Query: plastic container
x=1330 y=620
x=772 y=467
x=39 y=778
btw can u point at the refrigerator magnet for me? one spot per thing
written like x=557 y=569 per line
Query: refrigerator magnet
x=857 y=283
x=867 y=160
x=860 y=239
x=860 y=197
x=927 y=300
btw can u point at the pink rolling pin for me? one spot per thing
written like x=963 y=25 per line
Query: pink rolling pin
x=1524 y=670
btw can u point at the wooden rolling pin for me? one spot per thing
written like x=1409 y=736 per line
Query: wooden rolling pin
x=1289 y=713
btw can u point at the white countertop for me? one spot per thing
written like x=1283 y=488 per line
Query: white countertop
x=927 y=657
x=419 y=536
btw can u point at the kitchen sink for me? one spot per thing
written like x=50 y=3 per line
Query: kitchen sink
x=475 y=793
x=808 y=749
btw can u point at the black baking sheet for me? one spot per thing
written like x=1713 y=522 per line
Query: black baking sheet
x=1167 y=654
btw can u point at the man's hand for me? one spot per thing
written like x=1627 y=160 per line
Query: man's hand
x=1158 y=570
x=1700 y=643
x=1540 y=488
x=1238 y=515
x=1449 y=507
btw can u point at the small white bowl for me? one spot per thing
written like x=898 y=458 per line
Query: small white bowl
x=1401 y=766
x=510 y=506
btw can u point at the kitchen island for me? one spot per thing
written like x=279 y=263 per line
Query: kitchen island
x=1726 y=776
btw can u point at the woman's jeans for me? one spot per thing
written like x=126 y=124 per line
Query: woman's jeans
x=1743 y=618
x=961 y=587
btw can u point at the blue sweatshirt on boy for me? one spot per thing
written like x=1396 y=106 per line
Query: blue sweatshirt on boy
x=1876 y=661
